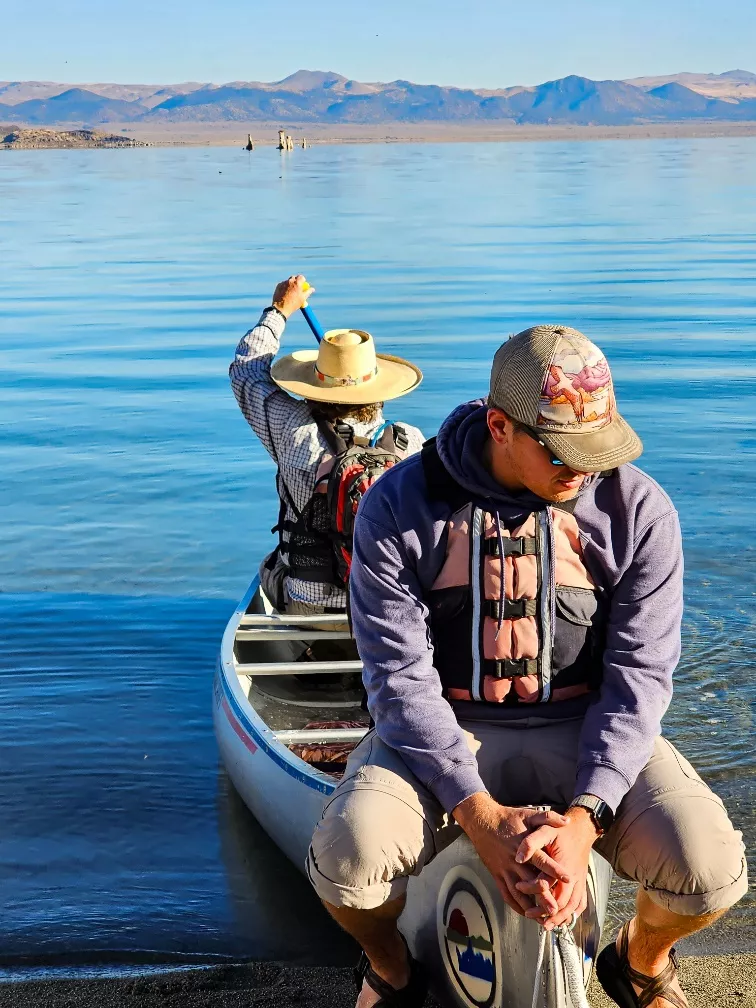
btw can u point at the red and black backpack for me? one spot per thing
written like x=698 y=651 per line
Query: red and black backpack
x=319 y=547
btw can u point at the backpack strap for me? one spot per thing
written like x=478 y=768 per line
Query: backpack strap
x=338 y=436
x=393 y=438
x=439 y=481
x=284 y=496
x=283 y=524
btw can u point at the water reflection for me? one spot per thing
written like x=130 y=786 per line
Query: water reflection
x=273 y=903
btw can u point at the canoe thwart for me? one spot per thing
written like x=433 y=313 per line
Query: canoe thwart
x=282 y=619
x=325 y=735
x=296 y=668
x=286 y=633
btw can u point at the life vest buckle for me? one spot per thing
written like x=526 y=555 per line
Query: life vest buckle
x=522 y=546
x=512 y=668
x=510 y=609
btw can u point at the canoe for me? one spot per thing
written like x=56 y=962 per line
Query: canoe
x=269 y=714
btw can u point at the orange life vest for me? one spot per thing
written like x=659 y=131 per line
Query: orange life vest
x=515 y=615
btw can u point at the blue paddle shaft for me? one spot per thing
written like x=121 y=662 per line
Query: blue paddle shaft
x=312 y=322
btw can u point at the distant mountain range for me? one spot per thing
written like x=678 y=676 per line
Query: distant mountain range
x=312 y=96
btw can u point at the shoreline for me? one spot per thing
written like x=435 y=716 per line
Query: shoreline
x=709 y=982
x=234 y=134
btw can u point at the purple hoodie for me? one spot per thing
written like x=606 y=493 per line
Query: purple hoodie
x=632 y=547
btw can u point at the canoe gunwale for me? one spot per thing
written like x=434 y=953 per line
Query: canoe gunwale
x=244 y=718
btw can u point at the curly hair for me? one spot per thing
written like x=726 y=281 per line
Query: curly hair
x=343 y=411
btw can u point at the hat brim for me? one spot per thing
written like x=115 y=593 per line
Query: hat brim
x=396 y=377
x=598 y=451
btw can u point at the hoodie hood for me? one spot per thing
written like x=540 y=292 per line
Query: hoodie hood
x=461 y=442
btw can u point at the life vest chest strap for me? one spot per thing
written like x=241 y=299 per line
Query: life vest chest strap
x=511 y=668
x=523 y=546
x=511 y=608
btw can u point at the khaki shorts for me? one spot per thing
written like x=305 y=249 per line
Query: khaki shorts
x=671 y=835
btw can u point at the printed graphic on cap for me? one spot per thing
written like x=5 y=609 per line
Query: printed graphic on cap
x=577 y=392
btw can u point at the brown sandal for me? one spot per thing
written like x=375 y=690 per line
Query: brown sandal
x=617 y=976
x=411 y=996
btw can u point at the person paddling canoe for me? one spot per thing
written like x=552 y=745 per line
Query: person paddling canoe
x=516 y=595
x=307 y=407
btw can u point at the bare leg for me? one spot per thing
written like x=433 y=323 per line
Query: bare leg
x=376 y=932
x=653 y=932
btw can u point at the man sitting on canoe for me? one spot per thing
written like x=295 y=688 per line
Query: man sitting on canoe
x=516 y=598
x=342 y=386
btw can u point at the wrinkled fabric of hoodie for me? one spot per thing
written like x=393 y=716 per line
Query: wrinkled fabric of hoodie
x=631 y=541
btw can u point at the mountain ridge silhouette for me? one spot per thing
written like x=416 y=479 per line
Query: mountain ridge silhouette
x=315 y=96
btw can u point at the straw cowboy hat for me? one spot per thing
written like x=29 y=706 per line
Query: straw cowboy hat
x=346 y=369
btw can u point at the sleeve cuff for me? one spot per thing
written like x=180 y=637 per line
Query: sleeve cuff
x=603 y=781
x=455 y=785
x=274 y=320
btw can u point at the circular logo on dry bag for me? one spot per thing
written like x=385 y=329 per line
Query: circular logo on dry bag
x=466 y=936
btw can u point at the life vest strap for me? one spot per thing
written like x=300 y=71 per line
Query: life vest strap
x=523 y=546
x=511 y=668
x=511 y=609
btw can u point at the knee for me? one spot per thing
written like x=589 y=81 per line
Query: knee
x=350 y=842
x=364 y=848
x=688 y=856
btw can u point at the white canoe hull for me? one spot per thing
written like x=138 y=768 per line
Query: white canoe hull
x=506 y=966
x=285 y=795
x=504 y=959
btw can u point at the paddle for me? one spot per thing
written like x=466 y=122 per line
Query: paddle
x=312 y=322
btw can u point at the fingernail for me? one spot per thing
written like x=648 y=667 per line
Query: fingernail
x=519 y=858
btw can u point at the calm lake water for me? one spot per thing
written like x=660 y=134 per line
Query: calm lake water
x=136 y=503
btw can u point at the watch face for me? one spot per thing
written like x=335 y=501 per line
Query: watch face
x=604 y=815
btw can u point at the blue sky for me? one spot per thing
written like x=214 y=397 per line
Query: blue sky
x=473 y=43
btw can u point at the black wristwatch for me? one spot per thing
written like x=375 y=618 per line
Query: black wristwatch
x=602 y=815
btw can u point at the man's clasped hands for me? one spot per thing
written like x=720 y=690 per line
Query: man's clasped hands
x=538 y=858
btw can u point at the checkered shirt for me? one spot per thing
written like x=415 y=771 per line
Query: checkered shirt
x=289 y=434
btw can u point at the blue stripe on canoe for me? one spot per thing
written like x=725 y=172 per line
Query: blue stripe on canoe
x=325 y=787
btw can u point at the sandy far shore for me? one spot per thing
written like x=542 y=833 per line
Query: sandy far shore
x=710 y=982
x=234 y=134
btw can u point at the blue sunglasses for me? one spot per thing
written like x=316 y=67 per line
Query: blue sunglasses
x=534 y=435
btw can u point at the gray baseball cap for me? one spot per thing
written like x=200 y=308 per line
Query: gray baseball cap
x=553 y=379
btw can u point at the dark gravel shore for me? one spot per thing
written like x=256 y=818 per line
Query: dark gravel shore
x=710 y=982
